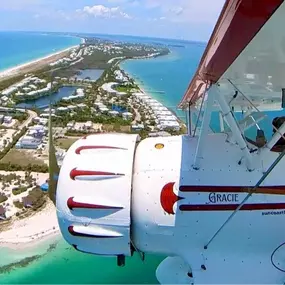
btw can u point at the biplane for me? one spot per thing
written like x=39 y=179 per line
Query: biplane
x=212 y=200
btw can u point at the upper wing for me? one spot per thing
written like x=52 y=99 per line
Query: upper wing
x=246 y=53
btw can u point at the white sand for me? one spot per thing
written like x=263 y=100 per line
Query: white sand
x=16 y=69
x=22 y=233
x=29 y=231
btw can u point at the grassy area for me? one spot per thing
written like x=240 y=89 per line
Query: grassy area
x=19 y=190
x=65 y=143
x=123 y=88
x=127 y=88
x=20 y=157
x=116 y=128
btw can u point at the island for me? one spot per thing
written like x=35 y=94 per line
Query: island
x=88 y=92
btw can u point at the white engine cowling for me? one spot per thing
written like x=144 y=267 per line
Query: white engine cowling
x=94 y=194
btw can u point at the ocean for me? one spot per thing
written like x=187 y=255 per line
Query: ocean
x=21 y=47
x=63 y=265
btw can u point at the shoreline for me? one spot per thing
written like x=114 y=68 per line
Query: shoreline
x=31 y=231
x=141 y=88
x=34 y=64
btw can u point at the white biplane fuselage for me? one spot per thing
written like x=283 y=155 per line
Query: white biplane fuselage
x=174 y=195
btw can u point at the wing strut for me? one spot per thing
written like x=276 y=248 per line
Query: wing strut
x=251 y=191
x=53 y=166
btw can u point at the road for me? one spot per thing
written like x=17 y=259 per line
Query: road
x=138 y=116
x=32 y=115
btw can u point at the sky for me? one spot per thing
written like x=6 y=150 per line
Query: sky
x=179 y=19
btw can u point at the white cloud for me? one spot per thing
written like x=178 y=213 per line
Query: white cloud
x=101 y=11
x=193 y=11
x=176 y=10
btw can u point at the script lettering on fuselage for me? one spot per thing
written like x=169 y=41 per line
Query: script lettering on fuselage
x=225 y=197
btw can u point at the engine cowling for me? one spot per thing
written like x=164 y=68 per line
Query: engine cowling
x=115 y=195
x=94 y=194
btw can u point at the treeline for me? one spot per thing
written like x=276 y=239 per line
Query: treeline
x=84 y=116
x=30 y=167
x=13 y=143
x=3 y=198
x=8 y=82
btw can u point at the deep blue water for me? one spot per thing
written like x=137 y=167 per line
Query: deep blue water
x=21 y=47
x=43 y=102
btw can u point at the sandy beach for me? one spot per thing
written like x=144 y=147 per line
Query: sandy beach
x=35 y=64
x=26 y=232
x=32 y=230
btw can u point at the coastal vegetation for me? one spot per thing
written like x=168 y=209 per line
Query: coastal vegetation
x=26 y=261
x=30 y=167
x=19 y=190
x=13 y=143
x=3 y=198
x=17 y=160
x=65 y=143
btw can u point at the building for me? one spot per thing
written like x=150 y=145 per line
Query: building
x=2 y=213
x=27 y=201
x=7 y=120
x=28 y=142
x=70 y=125
x=159 y=134
x=113 y=113
x=62 y=109
x=137 y=127
x=127 y=116
x=88 y=125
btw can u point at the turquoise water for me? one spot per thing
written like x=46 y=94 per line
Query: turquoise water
x=63 y=265
x=170 y=73
x=21 y=47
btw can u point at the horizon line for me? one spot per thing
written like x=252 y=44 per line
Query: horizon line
x=108 y=34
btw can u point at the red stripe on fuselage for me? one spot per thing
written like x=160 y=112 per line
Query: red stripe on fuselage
x=232 y=207
x=71 y=204
x=86 y=147
x=74 y=173
x=226 y=189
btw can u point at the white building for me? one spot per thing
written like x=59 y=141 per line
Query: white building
x=28 y=142
x=127 y=116
x=7 y=120
x=114 y=113
x=137 y=127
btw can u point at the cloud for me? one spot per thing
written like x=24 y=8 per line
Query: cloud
x=101 y=11
x=188 y=11
x=176 y=10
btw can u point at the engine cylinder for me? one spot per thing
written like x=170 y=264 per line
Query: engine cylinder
x=94 y=194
